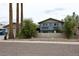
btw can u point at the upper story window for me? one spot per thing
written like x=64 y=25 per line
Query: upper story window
x=50 y=24
x=55 y=24
x=44 y=27
x=45 y=24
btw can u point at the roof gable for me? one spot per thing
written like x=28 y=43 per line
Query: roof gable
x=51 y=19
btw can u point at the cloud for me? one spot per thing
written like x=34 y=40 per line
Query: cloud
x=55 y=10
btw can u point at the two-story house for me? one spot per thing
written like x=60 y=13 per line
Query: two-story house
x=50 y=25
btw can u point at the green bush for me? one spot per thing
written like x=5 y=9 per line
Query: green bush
x=59 y=31
x=28 y=30
x=69 y=26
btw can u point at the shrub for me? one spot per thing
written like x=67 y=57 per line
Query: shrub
x=69 y=26
x=29 y=29
x=59 y=31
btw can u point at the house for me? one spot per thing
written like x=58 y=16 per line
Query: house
x=1 y=25
x=51 y=25
x=7 y=26
x=14 y=28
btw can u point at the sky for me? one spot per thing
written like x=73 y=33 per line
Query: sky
x=39 y=10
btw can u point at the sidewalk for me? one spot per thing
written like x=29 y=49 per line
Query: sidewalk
x=50 y=42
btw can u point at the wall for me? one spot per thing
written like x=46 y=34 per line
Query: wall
x=60 y=25
x=51 y=35
x=14 y=32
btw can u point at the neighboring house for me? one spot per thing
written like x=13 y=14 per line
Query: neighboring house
x=14 y=28
x=50 y=25
x=1 y=25
x=7 y=26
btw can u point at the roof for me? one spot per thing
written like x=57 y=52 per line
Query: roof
x=50 y=19
x=8 y=25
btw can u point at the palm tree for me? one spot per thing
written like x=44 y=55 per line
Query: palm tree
x=17 y=19
x=11 y=35
x=21 y=15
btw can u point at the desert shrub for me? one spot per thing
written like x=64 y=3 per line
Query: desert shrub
x=28 y=30
x=69 y=26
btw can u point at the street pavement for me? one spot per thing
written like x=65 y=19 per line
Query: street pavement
x=38 y=48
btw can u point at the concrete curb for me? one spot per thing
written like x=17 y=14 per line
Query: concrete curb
x=8 y=41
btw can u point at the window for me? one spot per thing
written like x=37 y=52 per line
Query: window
x=44 y=27
x=55 y=24
x=55 y=28
x=50 y=24
x=45 y=24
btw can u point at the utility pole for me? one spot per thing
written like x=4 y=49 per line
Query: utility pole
x=11 y=35
x=17 y=19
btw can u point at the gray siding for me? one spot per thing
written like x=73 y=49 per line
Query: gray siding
x=50 y=25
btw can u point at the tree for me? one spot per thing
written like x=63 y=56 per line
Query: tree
x=17 y=19
x=11 y=35
x=29 y=29
x=70 y=25
x=21 y=15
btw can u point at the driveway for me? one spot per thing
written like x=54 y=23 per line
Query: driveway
x=38 y=48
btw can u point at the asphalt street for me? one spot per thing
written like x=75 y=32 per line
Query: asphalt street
x=38 y=49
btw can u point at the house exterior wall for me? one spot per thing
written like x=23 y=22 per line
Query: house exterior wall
x=14 y=29
x=60 y=26
x=1 y=25
x=50 y=26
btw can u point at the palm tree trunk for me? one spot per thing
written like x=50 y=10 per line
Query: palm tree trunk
x=17 y=19
x=11 y=35
x=21 y=15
